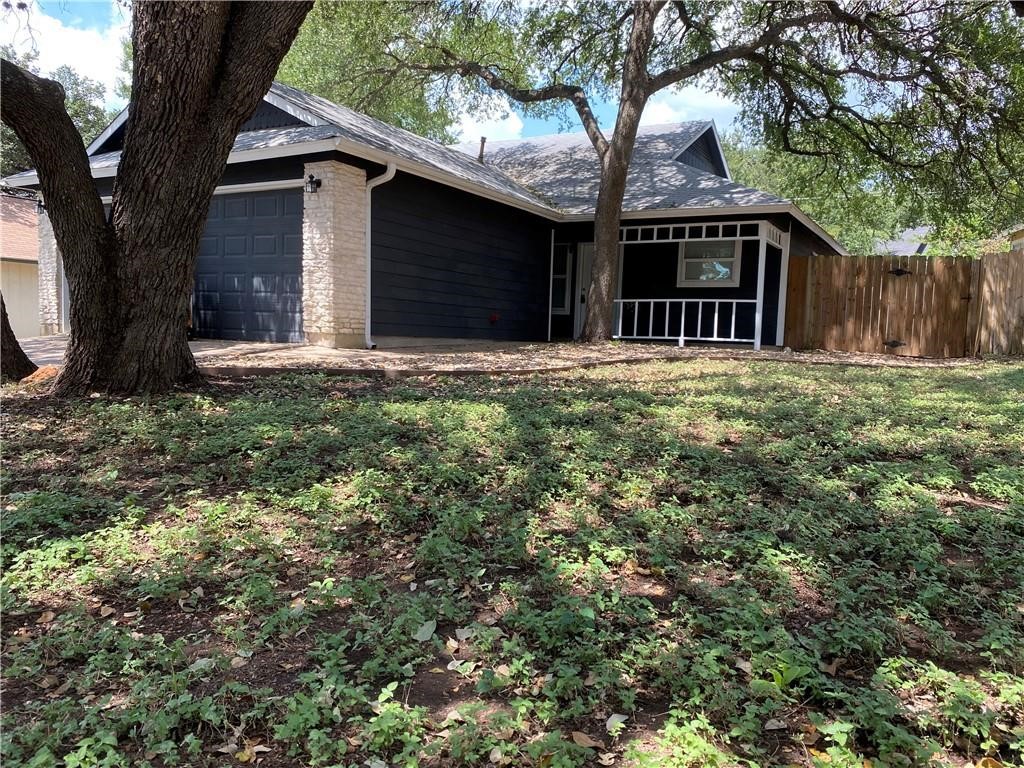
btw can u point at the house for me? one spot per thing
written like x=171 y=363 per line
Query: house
x=910 y=242
x=19 y=269
x=332 y=228
x=914 y=242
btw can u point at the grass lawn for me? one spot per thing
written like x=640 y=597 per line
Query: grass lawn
x=677 y=564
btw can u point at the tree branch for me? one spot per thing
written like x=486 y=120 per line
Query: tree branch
x=706 y=61
x=33 y=107
x=454 y=65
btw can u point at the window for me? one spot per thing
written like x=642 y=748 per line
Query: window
x=709 y=264
x=560 y=280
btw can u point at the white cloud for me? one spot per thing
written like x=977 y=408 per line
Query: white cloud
x=689 y=103
x=470 y=128
x=493 y=118
x=94 y=53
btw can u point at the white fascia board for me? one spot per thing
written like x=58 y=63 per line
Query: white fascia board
x=116 y=123
x=283 y=104
x=256 y=186
x=707 y=210
x=718 y=142
x=297 y=112
x=721 y=150
x=426 y=172
x=25 y=182
x=808 y=222
x=366 y=153
x=723 y=210
x=688 y=144
x=248 y=155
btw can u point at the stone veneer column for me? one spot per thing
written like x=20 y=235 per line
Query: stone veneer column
x=49 y=278
x=334 y=256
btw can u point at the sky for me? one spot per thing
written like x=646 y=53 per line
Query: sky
x=87 y=37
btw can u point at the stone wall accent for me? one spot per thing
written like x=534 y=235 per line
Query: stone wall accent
x=334 y=256
x=49 y=279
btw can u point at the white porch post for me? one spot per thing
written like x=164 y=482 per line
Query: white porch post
x=551 y=279
x=762 y=251
x=780 y=323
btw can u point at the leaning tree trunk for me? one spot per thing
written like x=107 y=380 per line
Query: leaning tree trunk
x=14 y=363
x=614 y=169
x=199 y=71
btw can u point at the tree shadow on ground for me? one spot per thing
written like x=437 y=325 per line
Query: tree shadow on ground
x=742 y=551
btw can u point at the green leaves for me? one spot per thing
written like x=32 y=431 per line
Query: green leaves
x=599 y=560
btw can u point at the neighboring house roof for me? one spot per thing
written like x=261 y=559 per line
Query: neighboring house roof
x=910 y=242
x=554 y=176
x=19 y=238
x=565 y=169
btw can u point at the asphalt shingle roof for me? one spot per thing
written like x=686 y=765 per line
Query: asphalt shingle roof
x=559 y=173
x=375 y=134
x=564 y=168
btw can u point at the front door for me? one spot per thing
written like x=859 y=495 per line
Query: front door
x=584 y=268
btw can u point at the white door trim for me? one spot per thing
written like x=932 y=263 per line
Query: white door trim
x=581 y=289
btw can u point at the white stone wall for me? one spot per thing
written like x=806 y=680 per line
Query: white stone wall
x=49 y=278
x=334 y=256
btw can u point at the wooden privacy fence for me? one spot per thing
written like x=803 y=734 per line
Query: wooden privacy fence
x=907 y=305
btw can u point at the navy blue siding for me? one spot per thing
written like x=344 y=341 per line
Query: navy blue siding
x=448 y=264
x=269 y=116
x=703 y=154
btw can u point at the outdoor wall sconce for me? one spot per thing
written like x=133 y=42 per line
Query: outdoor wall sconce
x=40 y=208
x=313 y=184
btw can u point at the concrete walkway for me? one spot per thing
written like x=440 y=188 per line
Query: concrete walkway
x=49 y=350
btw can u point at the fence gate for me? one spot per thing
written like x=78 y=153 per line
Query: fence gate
x=899 y=305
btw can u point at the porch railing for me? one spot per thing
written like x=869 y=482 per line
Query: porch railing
x=682 y=320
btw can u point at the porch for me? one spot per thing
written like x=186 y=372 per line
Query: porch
x=712 y=281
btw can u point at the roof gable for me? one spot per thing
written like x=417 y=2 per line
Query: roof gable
x=674 y=165
x=705 y=153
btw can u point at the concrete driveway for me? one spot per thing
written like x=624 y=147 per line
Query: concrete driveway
x=49 y=350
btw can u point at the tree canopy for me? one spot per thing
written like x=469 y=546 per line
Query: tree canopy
x=855 y=211
x=83 y=100
x=341 y=54
x=919 y=94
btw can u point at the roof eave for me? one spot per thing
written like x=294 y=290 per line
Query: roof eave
x=725 y=210
x=357 y=150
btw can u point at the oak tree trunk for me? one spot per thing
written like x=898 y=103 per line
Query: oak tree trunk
x=614 y=168
x=14 y=363
x=199 y=71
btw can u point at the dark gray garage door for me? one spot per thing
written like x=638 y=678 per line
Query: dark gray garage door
x=249 y=274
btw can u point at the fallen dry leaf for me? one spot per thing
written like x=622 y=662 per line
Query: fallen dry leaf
x=46 y=617
x=583 y=740
x=830 y=669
